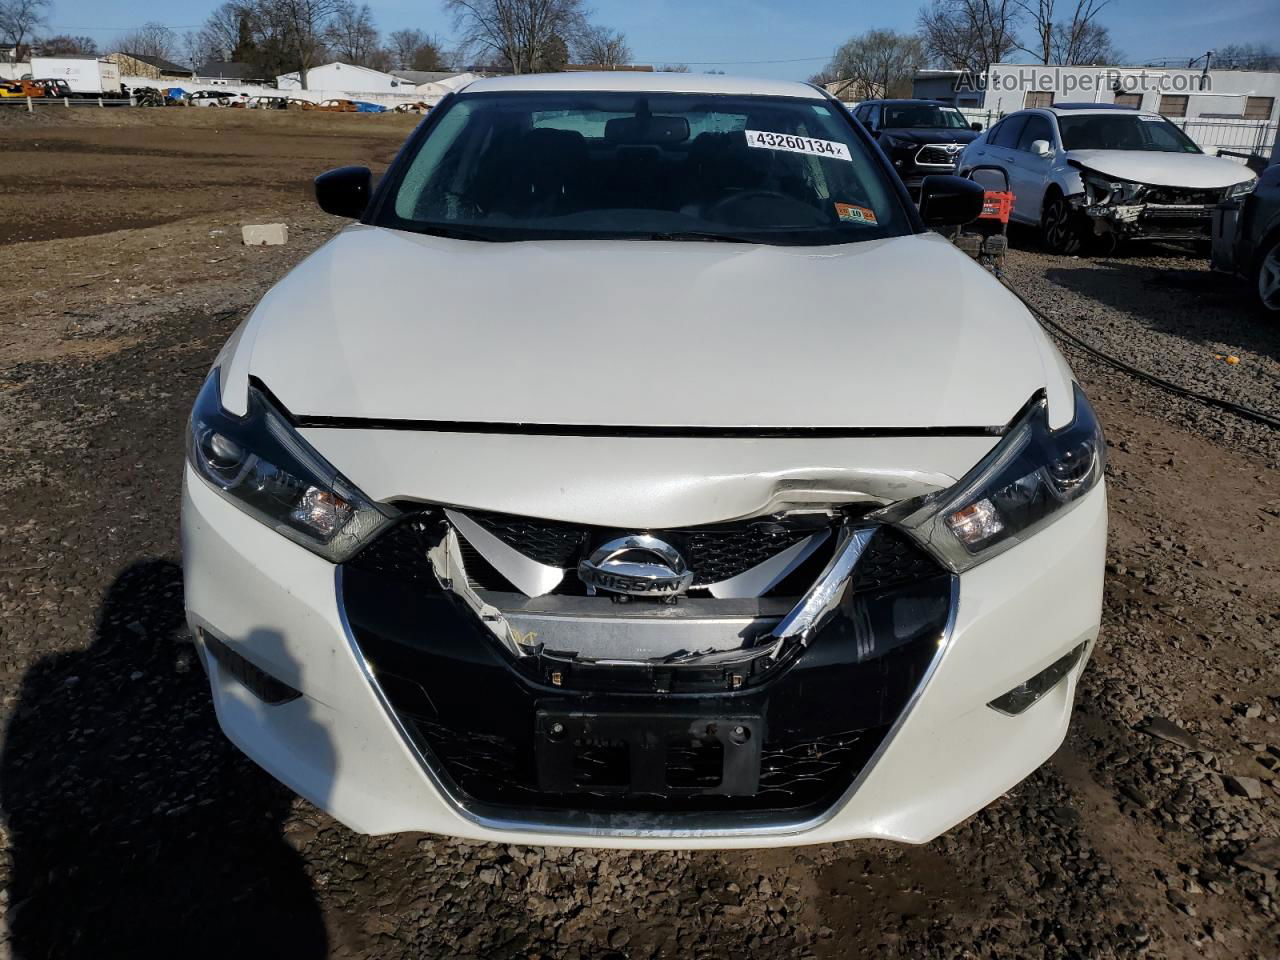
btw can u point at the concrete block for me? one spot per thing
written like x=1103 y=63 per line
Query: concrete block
x=265 y=234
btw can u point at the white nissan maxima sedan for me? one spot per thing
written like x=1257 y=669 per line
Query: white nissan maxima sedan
x=640 y=471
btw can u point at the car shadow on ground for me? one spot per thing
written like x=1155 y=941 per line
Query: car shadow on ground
x=135 y=829
x=1177 y=296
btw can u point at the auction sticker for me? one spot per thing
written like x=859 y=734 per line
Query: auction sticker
x=764 y=140
x=852 y=213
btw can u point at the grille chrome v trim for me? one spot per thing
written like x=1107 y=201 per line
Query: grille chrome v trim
x=588 y=824
x=531 y=577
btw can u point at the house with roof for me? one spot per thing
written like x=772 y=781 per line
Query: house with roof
x=153 y=68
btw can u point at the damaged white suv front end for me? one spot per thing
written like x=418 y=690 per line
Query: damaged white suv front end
x=1095 y=174
x=665 y=508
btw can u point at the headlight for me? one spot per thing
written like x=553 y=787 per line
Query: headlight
x=1241 y=189
x=1032 y=477
x=259 y=463
x=1101 y=190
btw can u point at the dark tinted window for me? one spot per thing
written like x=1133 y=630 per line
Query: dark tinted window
x=552 y=165
x=1123 y=131
x=1036 y=128
x=924 y=115
x=1007 y=133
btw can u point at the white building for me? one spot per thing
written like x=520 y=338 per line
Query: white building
x=1217 y=94
x=346 y=77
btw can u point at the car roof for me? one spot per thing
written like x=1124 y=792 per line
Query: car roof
x=645 y=82
x=932 y=103
x=1072 y=110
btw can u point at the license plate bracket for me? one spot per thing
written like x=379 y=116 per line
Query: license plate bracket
x=660 y=754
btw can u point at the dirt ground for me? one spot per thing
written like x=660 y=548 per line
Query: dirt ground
x=132 y=828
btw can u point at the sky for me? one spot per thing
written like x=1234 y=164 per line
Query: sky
x=783 y=39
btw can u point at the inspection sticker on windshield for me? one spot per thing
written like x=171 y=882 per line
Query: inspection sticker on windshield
x=852 y=213
x=764 y=140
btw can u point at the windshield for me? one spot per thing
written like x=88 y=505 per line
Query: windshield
x=924 y=115
x=550 y=165
x=1123 y=131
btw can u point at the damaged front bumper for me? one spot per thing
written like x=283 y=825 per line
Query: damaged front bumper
x=424 y=703
x=1128 y=210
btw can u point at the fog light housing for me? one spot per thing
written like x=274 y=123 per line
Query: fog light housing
x=1030 y=691
x=258 y=682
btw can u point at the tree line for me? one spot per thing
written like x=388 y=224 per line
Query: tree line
x=971 y=35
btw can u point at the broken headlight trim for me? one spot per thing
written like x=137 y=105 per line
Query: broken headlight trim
x=1241 y=189
x=1101 y=190
x=260 y=464
x=1032 y=477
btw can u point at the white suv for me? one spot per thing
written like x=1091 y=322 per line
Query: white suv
x=1097 y=171
x=640 y=471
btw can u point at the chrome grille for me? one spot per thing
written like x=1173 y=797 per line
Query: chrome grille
x=936 y=155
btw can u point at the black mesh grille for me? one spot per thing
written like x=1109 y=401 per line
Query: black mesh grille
x=401 y=552
x=794 y=773
x=548 y=541
x=892 y=560
x=713 y=553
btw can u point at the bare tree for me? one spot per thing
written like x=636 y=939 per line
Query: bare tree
x=298 y=26
x=969 y=34
x=64 y=45
x=525 y=36
x=223 y=32
x=878 y=63
x=19 y=20
x=1247 y=56
x=600 y=46
x=1087 y=44
x=1082 y=39
x=674 y=68
x=353 y=37
x=152 y=39
x=416 y=50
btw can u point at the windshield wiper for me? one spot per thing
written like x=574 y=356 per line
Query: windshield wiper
x=698 y=235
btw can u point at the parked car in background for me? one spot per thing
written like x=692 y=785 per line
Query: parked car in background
x=1085 y=172
x=338 y=106
x=920 y=137
x=20 y=89
x=208 y=98
x=797 y=536
x=55 y=87
x=1247 y=239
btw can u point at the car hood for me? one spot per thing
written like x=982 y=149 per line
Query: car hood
x=932 y=134
x=1196 y=171
x=388 y=325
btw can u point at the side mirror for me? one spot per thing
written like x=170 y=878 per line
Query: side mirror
x=1041 y=148
x=947 y=201
x=345 y=192
x=976 y=127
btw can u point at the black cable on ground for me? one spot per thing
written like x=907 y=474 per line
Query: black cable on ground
x=1248 y=413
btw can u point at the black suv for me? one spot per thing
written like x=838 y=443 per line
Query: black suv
x=919 y=137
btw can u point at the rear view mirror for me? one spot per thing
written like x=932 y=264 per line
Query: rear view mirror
x=1041 y=148
x=646 y=130
x=947 y=201
x=975 y=126
x=345 y=192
